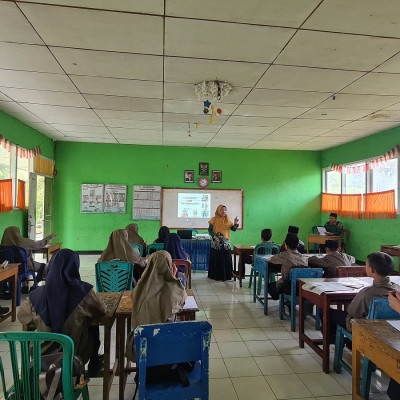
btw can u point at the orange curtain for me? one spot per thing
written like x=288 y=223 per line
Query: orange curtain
x=351 y=206
x=330 y=203
x=21 y=195
x=44 y=166
x=380 y=205
x=6 y=202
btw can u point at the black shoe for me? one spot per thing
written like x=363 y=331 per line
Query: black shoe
x=4 y=310
x=6 y=296
x=96 y=367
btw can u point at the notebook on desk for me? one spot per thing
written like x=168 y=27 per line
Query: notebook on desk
x=321 y=230
x=184 y=233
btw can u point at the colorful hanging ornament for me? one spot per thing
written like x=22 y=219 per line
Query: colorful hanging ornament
x=197 y=125
x=211 y=120
x=219 y=111
x=207 y=104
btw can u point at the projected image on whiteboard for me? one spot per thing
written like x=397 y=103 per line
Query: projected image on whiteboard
x=194 y=205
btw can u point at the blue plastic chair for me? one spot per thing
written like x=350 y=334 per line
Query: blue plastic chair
x=25 y=384
x=15 y=254
x=378 y=309
x=315 y=232
x=155 y=247
x=138 y=247
x=293 y=299
x=114 y=276
x=267 y=249
x=172 y=343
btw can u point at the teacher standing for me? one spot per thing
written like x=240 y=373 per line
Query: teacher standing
x=220 y=268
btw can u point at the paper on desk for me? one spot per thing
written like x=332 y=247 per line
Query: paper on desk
x=323 y=287
x=190 y=303
x=395 y=324
x=321 y=230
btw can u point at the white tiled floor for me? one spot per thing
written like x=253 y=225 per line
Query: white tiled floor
x=252 y=356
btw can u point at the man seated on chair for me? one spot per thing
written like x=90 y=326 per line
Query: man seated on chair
x=301 y=246
x=379 y=266
x=288 y=259
x=333 y=227
x=266 y=235
x=332 y=259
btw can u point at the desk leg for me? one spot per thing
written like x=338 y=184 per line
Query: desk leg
x=254 y=284
x=266 y=280
x=356 y=362
x=234 y=264
x=107 y=348
x=301 y=318
x=308 y=247
x=121 y=355
x=14 y=298
x=240 y=270
x=326 y=324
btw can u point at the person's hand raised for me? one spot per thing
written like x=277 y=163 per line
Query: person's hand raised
x=236 y=222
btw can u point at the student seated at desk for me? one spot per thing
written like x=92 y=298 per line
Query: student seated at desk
x=378 y=266
x=162 y=234
x=173 y=245
x=66 y=305
x=288 y=259
x=158 y=296
x=134 y=237
x=332 y=259
x=394 y=387
x=12 y=237
x=295 y=231
x=266 y=235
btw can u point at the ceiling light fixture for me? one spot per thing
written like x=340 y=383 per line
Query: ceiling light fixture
x=212 y=90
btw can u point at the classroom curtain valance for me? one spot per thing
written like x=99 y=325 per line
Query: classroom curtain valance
x=380 y=205
x=351 y=206
x=6 y=203
x=331 y=203
x=21 y=195
x=43 y=166
x=20 y=151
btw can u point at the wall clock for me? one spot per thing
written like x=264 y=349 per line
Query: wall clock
x=203 y=182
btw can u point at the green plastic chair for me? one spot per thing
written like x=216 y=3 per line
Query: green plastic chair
x=114 y=276
x=155 y=247
x=24 y=386
x=139 y=247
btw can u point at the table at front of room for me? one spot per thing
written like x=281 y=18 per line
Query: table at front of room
x=199 y=253
x=48 y=250
x=380 y=343
x=321 y=239
x=124 y=312
x=10 y=274
x=392 y=250
x=239 y=250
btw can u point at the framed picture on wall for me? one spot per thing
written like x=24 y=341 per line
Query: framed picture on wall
x=203 y=169
x=216 y=176
x=189 y=176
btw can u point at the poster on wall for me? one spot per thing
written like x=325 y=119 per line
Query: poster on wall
x=146 y=203
x=92 y=198
x=115 y=199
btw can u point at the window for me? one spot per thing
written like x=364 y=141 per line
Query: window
x=5 y=163
x=23 y=174
x=333 y=182
x=355 y=183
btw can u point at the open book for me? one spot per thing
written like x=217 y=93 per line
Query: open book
x=321 y=230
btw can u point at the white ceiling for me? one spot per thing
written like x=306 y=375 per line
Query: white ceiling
x=306 y=74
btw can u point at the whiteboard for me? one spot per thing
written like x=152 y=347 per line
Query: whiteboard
x=232 y=199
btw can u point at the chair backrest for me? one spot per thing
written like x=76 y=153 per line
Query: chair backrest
x=114 y=276
x=188 y=270
x=22 y=385
x=15 y=254
x=380 y=309
x=353 y=271
x=268 y=248
x=346 y=234
x=172 y=343
x=301 y=272
x=152 y=248
x=314 y=229
x=138 y=247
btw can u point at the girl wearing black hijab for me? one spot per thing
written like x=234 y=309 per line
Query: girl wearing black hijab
x=66 y=305
x=162 y=234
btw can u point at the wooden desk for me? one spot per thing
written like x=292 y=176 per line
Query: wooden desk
x=239 y=250
x=10 y=274
x=48 y=250
x=321 y=239
x=380 y=343
x=124 y=312
x=392 y=250
x=111 y=301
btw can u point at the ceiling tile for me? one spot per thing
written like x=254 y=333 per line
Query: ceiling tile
x=390 y=66
x=256 y=121
x=94 y=29
x=129 y=123
x=123 y=103
x=118 y=87
x=293 y=98
x=91 y=140
x=189 y=70
x=306 y=79
x=383 y=115
x=45 y=97
x=27 y=57
x=45 y=111
x=229 y=144
x=351 y=133
x=126 y=133
x=224 y=41
x=309 y=146
x=67 y=120
x=266 y=12
x=369 y=17
x=275 y=137
x=340 y=114
x=269 y=111
x=14 y=27
x=132 y=115
x=194 y=107
x=359 y=101
x=314 y=123
x=268 y=145
x=184 y=143
x=338 y=51
x=153 y=142
x=36 y=80
x=184 y=127
x=376 y=83
x=254 y=130
x=239 y=136
x=284 y=132
x=371 y=126
x=141 y=6
x=81 y=128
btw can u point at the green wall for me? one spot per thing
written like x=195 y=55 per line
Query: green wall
x=27 y=137
x=280 y=187
x=366 y=236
